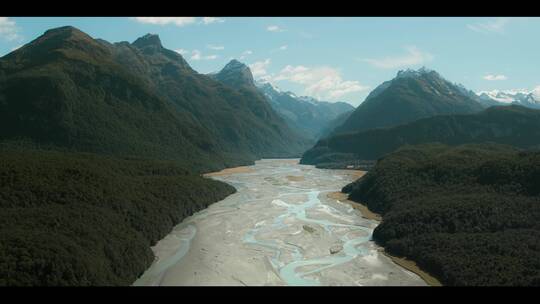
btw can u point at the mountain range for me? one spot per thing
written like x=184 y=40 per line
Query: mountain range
x=525 y=98
x=140 y=99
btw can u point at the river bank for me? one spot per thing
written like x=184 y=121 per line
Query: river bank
x=401 y=261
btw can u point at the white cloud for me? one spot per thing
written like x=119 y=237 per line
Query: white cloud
x=283 y=47
x=495 y=25
x=209 y=20
x=8 y=29
x=414 y=56
x=274 y=28
x=258 y=69
x=181 y=51
x=245 y=54
x=178 y=21
x=216 y=47
x=197 y=55
x=495 y=77
x=319 y=82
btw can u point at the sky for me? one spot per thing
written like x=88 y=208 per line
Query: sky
x=332 y=59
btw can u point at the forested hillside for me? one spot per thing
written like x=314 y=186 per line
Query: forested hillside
x=512 y=125
x=467 y=214
x=84 y=219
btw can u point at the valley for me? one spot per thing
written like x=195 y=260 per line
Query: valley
x=169 y=160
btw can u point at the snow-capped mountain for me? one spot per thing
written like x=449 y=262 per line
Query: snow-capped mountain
x=521 y=97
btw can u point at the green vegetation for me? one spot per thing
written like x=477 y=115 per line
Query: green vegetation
x=84 y=219
x=511 y=125
x=467 y=214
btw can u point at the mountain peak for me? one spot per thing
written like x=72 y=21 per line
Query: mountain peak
x=148 y=40
x=68 y=29
x=64 y=33
x=236 y=74
x=235 y=65
x=416 y=73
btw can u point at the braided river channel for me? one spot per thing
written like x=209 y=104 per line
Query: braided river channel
x=281 y=227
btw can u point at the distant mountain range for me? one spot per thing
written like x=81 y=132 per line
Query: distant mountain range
x=410 y=96
x=69 y=90
x=310 y=116
x=529 y=99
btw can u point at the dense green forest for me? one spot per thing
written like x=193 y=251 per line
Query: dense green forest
x=512 y=125
x=469 y=214
x=85 y=219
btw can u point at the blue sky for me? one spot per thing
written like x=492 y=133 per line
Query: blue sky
x=328 y=58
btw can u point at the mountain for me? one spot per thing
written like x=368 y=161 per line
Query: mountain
x=511 y=125
x=468 y=215
x=410 y=96
x=69 y=90
x=306 y=114
x=235 y=74
x=529 y=99
x=334 y=123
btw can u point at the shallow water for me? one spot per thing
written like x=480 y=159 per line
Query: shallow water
x=276 y=230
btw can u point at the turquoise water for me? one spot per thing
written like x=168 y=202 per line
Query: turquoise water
x=158 y=269
x=288 y=272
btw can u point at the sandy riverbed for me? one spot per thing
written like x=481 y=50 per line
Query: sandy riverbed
x=276 y=230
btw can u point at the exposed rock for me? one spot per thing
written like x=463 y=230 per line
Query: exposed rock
x=308 y=228
x=336 y=248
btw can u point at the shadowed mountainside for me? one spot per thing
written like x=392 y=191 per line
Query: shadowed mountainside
x=69 y=90
x=512 y=125
x=410 y=96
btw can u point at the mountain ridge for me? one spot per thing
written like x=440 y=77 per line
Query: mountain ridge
x=89 y=86
x=409 y=96
x=511 y=125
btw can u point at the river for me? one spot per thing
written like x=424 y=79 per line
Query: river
x=279 y=228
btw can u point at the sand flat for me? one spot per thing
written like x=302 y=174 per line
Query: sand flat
x=228 y=171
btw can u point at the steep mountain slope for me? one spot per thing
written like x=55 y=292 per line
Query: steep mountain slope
x=410 y=96
x=238 y=117
x=238 y=76
x=308 y=115
x=65 y=89
x=70 y=90
x=512 y=125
